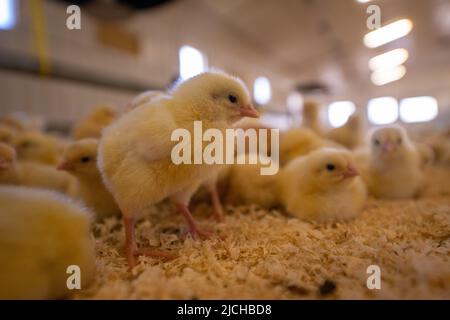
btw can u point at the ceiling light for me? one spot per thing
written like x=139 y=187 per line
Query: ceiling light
x=388 y=33
x=385 y=76
x=389 y=59
x=382 y=110
x=338 y=112
x=261 y=90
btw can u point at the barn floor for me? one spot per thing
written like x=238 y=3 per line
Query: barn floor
x=267 y=255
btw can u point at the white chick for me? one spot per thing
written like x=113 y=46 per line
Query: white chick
x=324 y=185
x=92 y=125
x=42 y=233
x=80 y=160
x=32 y=174
x=393 y=169
x=37 y=147
x=350 y=134
x=135 y=152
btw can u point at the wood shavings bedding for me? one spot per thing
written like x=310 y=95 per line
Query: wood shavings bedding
x=269 y=255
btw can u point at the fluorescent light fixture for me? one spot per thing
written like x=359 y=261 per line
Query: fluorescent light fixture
x=389 y=59
x=388 y=33
x=338 y=112
x=363 y=1
x=294 y=102
x=418 y=109
x=7 y=14
x=382 y=110
x=261 y=90
x=192 y=62
x=385 y=76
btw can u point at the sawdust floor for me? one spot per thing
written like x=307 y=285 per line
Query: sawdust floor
x=268 y=255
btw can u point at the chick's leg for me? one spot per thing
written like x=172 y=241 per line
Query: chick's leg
x=215 y=199
x=132 y=250
x=194 y=231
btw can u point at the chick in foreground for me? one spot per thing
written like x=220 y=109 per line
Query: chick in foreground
x=350 y=134
x=42 y=233
x=135 y=151
x=92 y=125
x=393 y=166
x=324 y=185
x=32 y=174
x=144 y=98
x=80 y=160
x=37 y=147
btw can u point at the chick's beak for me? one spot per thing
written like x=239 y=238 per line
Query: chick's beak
x=388 y=147
x=350 y=172
x=248 y=111
x=65 y=165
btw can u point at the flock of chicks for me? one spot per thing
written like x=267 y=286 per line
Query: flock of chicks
x=121 y=164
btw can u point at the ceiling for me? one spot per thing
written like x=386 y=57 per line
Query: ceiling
x=295 y=42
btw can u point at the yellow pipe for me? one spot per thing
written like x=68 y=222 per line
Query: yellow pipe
x=40 y=35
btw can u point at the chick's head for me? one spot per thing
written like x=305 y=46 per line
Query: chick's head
x=80 y=158
x=6 y=134
x=330 y=167
x=35 y=146
x=216 y=96
x=389 y=142
x=103 y=113
x=7 y=156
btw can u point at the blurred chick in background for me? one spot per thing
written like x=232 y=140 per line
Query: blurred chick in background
x=299 y=142
x=246 y=185
x=37 y=147
x=42 y=233
x=311 y=116
x=80 y=160
x=135 y=152
x=350 y=134
x=392 y=168
x=7 y=134
x=32 y=174
x=323 y=185
x=92 y=125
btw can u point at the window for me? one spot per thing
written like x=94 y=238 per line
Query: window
x=7 y=14
x=418 y=109
x=261 y=90
x=192 y=62
x=382 y=110
x=338 y=112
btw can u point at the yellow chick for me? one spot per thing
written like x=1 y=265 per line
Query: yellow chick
x=299 y=142
x=92 y=125
x=144 y=98
x=80 y=160
x=42 y=236
x=324 y=185
x=311 y=116
x=135 y=151
x=246 y=185
x=32 y=174
x=36 y=147
x=393 y=169
x=350 y=134
x=7 y=134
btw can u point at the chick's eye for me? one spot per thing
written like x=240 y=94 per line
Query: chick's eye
x=330 y=167
x=85 y=159
x=376 y=142
x=232 y=98
x=26 y=144
x=399 y=140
